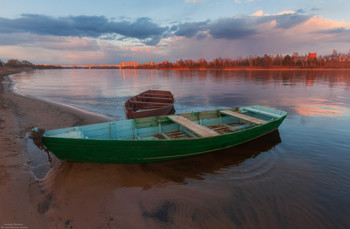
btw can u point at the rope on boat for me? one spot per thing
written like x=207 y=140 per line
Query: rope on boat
x=37 y=137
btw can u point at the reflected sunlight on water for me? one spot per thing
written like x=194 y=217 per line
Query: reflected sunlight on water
x=323 y=107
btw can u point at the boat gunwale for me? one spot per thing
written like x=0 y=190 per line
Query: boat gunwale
x=273 y=119
x=156 y=140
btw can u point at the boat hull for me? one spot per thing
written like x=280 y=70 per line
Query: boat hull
x=149 y=103
x=141 y=151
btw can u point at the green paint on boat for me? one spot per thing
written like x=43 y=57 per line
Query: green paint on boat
x=162 y=138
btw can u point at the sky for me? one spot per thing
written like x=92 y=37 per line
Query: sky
x=113 y=31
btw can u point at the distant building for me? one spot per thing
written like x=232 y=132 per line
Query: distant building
x=129 y=64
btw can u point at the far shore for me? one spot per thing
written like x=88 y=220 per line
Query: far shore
x=253 y=69
x=216 y=69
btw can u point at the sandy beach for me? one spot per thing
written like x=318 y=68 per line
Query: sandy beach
x=25 y=200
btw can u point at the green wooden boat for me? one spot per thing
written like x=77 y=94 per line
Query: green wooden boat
x=161 y=138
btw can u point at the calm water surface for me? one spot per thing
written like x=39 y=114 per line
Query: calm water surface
x=297 y=177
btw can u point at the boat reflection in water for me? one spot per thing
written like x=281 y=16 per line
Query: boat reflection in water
x=213 y=163
x=148 y=174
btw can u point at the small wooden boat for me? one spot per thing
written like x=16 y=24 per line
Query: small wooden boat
x=149 y=103
x=161 y=138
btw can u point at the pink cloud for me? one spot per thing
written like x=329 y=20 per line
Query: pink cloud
x=282 y=33
x=269 y=39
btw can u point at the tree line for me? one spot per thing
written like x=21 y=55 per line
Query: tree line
x=335 y=60
x=16 y=63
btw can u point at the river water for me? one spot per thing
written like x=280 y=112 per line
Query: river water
x=296 y=177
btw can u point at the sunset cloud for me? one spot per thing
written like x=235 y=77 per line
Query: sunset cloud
x=143 y=29
x=189 y=29
x=239 y=27
x=289 y=20
x=232 y=28
x=145 y=40
x=286 y=12
x=258 y=13
x=49 y=42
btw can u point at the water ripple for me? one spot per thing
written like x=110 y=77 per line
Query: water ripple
x=251 y=168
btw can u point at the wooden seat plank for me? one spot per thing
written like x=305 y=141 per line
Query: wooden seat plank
x=154 y=98
x=150 y=103
x=194 y=127
x=244 y=117
x=165 y=95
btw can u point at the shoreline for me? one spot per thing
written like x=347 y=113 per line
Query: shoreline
x=213 y=69
x=12 y=83
x=22 y=194
x=80 y=116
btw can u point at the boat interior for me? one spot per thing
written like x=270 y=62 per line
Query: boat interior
x=150 y=99
x=183 y=126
